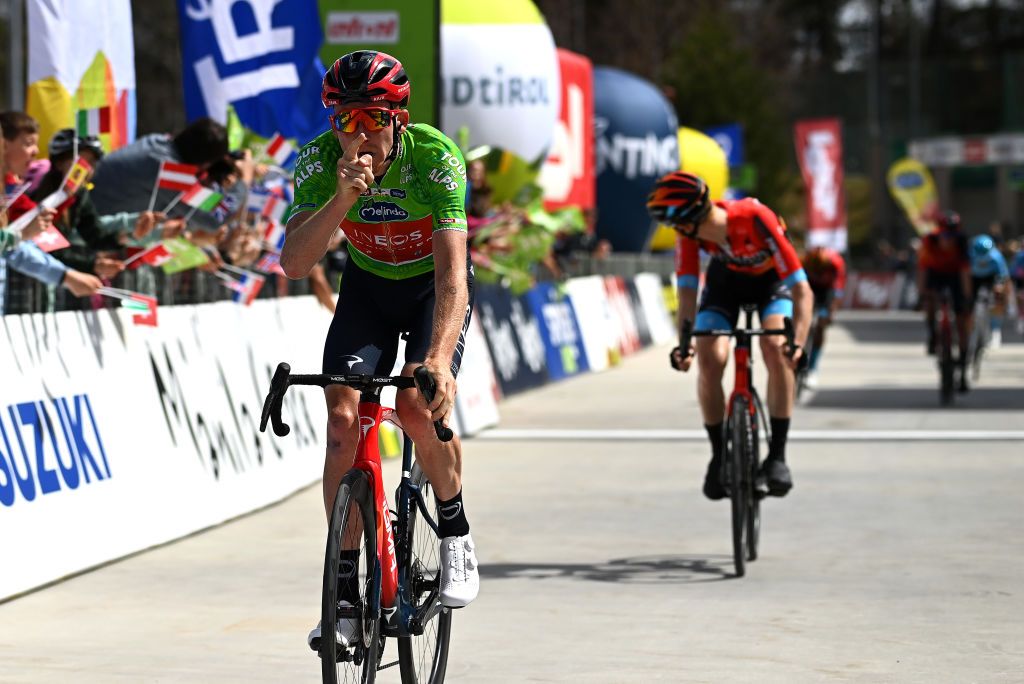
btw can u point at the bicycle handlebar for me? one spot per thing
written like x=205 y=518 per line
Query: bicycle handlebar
x=283 y=379
x=688 y=332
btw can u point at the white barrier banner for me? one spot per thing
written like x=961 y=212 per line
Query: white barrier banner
x=114 y=438
x=476 y=402
x=659 y=322
x=593 y=314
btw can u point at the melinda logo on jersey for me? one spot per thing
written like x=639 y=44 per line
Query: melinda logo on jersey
x=379 y=212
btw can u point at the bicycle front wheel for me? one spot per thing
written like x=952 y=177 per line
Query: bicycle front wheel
x=740 y=483
x=352 y=534
x=423 y=657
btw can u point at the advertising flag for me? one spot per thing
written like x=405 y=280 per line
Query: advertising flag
x=911 y=185
x=258 y=57
x=81 y=61
x=819 y=149
x=185 y=256
x=567 y=176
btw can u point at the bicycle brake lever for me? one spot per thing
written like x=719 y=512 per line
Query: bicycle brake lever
x=426 y=385
x=787 y=325
x=272 y=404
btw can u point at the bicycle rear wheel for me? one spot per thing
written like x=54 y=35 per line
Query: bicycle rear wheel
x=947 y=367
x=760 y=426
x=740 y=484
x=353 y=527
x=423 y=657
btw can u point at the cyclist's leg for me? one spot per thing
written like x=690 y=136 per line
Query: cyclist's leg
x=718 y=310
x=775 y=307
x=440 y=461
x=360 y=340
x=928 y=297
x=822 y=318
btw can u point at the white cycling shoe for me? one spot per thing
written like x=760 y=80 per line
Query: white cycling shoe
x=346 y=632
x=811 y=380
x=460 y=579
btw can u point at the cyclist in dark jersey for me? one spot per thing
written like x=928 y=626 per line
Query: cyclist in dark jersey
x=752 y=262
x=944 y=264
x=397 y=190
x=826 y=274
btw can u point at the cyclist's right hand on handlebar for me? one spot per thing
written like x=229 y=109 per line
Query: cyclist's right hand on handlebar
x=680 y=362
x=355 y=172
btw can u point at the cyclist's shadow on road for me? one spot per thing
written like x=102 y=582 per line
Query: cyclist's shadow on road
x=638 y=570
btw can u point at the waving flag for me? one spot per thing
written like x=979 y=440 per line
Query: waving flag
x=201 y=197
x=280 y=150
x=93 y=121
x=249 y=285
x=51 y=239
x=156 y=255
x=274 y=236
x=175 y=176
x=274 y=210
x=262 y=60
x=185 y=256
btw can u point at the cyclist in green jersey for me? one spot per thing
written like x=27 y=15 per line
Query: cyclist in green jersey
x=397 y=190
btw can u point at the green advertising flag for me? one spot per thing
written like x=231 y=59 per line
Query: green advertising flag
x=186 y=256
x=409 y=30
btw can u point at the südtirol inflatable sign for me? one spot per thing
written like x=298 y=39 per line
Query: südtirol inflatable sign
x=500 y=76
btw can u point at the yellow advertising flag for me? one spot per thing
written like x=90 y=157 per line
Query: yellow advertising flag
x=699 y=154
x=911 y=185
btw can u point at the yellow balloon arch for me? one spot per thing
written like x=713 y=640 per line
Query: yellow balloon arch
x=699 y=154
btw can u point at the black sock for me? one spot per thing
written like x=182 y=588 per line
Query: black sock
x=451 y=517
x=348 y=575
x=780 y=429
x=715 y=435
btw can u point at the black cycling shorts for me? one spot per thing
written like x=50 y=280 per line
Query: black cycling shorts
x=373 y=312
x=726 y=291
x=823 y=297
x=937 y=282
x=977 y=282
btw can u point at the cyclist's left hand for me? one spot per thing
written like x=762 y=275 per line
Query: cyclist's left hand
x=444 y=393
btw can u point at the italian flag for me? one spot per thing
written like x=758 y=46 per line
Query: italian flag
x=201 y=197
x=93 y=121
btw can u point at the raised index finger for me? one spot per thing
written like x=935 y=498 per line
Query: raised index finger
x=352 y=151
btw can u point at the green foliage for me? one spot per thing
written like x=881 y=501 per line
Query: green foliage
x=717 y=81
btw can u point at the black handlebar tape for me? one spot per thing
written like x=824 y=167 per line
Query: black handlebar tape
x=426 y=385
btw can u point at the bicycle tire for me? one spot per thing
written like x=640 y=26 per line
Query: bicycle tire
x=423 y=658
x=739 y=480
x=358 y=664
x=754 y=513
x=947 y=368
x=980 y=335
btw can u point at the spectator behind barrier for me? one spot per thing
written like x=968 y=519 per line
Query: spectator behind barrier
x=21 y=145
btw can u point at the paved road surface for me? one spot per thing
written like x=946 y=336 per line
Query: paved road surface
x=602 y=563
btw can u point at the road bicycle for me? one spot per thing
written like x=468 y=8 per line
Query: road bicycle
x=944 y=352
x=745 y=418
x=981 y=334
x=397 y=568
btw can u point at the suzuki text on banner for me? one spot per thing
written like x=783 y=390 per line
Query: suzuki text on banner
x=819 y=149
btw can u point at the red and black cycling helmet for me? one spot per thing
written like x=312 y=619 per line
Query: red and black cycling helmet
x=366 y=76
x=948 y=220
x=679 y=198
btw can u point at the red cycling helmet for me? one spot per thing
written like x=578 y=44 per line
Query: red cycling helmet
x=948 y=220
x=679 y=198
x=366 y=76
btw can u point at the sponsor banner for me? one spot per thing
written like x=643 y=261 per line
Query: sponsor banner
x=636 y=138
x=563 y=344
x=1003 y=148
x=819 y=150
x=878 y=291
x=643 y=330
x=155 y=433
x=653 y=308
x=476 y=402
x=406 y=29
x=628 y=338
x=513 y=338
x=259 y=57
x=567 y=176
x=594 y=317
x=500 y=77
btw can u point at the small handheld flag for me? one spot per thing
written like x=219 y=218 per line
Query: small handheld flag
x=51 y=239
x=280 y=150
x=201 y=197
x=156 y=255
x=93 y=121
x=173 y=176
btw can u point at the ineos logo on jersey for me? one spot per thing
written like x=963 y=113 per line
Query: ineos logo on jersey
x=378 y=212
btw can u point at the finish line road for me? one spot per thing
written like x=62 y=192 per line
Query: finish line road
x=891 y=560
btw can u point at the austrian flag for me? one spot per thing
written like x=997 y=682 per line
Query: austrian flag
x=174 y=176
x=279 y=149
x=201 y=197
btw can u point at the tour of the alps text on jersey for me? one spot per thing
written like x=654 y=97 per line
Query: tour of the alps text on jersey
x=307 y=165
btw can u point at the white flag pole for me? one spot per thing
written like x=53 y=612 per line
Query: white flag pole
x=174 y=202
x=156 y=186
